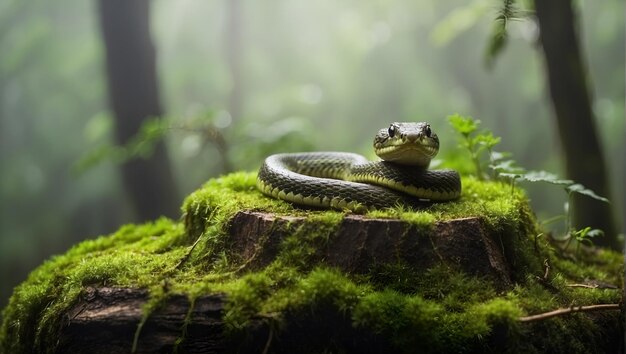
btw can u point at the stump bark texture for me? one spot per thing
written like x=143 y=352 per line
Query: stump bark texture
x=360 y=244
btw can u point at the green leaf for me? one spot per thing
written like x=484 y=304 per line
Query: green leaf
x=543 y=176
x=499 y=155
x=595 y=233
x=512 y=176
x=497 y=42
x=141 y=145
x=463 y=125
x=580 y=189
x=582 y=233
x=487 y=139
x=585 y=235
x=507 y=166
x=96 y=156
x=475 y=142
x=151 y=132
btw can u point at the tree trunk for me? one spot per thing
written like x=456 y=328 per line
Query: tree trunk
x=567 y=81
x=133 y=94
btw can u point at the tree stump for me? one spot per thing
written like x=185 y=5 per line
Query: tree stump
x=362 y=243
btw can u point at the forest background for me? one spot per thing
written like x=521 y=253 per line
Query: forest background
x=240 y=80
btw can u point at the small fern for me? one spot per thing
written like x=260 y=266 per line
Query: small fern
x=504 y=169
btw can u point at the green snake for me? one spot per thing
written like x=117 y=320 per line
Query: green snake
x=341 y=180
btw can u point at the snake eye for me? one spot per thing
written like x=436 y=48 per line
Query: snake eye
x=392 y=131
x=428 y=131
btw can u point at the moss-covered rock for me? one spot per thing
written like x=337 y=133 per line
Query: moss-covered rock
x=391 y=306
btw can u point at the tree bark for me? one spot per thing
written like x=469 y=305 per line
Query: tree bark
x=571 y=100
x=133 y=95
x=106 y=320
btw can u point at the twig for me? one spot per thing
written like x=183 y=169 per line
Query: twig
x=593 y=286
x=272 y=321
x=563 y=311
x=544 y=280
x=188 y=254
x=536 y=246
x=269 y=340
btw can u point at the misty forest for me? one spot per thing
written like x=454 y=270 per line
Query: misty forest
x=157 y=115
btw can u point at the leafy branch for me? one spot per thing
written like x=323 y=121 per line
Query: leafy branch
x=142 y=144
x=139 y=146
x=498 y=39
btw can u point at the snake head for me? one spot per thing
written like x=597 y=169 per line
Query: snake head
x=409 y=143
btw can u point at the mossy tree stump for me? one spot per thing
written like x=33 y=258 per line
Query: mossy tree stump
x=246 y=273
x=360 y=244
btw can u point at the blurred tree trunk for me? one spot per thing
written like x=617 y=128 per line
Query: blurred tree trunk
x=567 y=80
x=133 y=95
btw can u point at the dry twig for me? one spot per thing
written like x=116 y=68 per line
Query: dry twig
x=563 y=311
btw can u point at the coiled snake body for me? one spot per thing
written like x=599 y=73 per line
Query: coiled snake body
x=341 y=180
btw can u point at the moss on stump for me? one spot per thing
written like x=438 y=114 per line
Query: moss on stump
x=242 y=272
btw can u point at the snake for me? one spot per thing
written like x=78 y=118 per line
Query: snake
x=349 y=181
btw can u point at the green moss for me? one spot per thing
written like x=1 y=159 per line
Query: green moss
x=246 y=296
x=395 y=315
x=433 y=310
x=133 y=256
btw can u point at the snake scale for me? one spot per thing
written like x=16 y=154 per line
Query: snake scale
x=341 y=180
